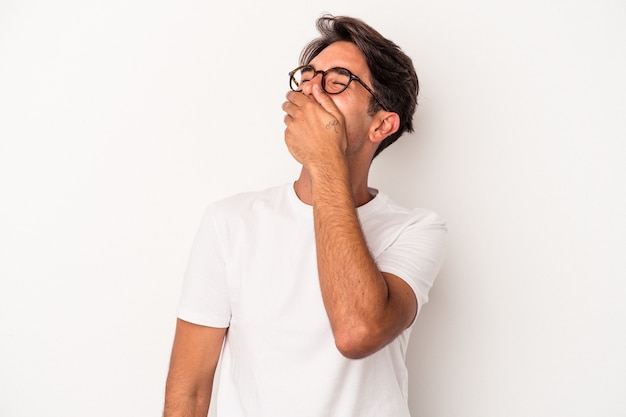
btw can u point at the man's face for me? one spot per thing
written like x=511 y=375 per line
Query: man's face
x=354 y=101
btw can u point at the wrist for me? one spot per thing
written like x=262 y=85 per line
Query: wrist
x=331 y=164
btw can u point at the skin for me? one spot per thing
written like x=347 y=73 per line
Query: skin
x=334 y=138
x=193 y=362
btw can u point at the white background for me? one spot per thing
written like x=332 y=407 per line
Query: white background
x=121 y=120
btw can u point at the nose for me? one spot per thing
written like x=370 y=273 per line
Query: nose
x=307 y=87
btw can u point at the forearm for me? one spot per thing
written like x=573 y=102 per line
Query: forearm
x=354 y=291
x=178 y=403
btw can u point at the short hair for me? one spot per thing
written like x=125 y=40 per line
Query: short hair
x=393 y=76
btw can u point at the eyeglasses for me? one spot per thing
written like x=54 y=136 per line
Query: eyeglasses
x=334 y=80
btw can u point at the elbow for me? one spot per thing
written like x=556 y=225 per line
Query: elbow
x=358 y=343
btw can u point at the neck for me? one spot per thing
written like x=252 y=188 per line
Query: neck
x=358 y=186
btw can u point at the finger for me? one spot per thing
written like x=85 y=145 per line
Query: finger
x=298 y=98
x=326 y=102
x=286 y=106
x=290 y=108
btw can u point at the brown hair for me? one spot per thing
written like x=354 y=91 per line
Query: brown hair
x=393 y=76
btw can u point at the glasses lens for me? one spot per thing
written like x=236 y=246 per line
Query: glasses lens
x=336 y=80
x=300 y=76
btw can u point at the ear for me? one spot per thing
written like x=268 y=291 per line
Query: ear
x=385 y=123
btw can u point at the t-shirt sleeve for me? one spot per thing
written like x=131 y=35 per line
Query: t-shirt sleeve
x=204 y=296
x=416 y=254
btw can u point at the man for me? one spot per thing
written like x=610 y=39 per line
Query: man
x=312 y=287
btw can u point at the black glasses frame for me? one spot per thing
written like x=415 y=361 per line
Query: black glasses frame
x=293 y=84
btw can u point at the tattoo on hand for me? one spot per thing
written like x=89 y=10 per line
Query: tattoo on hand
x=333 y=124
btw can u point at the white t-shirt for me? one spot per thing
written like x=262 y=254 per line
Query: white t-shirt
x=253 y=269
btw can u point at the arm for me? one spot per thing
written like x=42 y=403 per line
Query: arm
x=193 y=362
x=366 y=307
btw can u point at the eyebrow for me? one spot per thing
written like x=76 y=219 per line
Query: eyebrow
x=338 y=67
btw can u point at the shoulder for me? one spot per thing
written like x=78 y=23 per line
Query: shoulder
x=245 y=202
x=248 y=211
x=386 y=213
